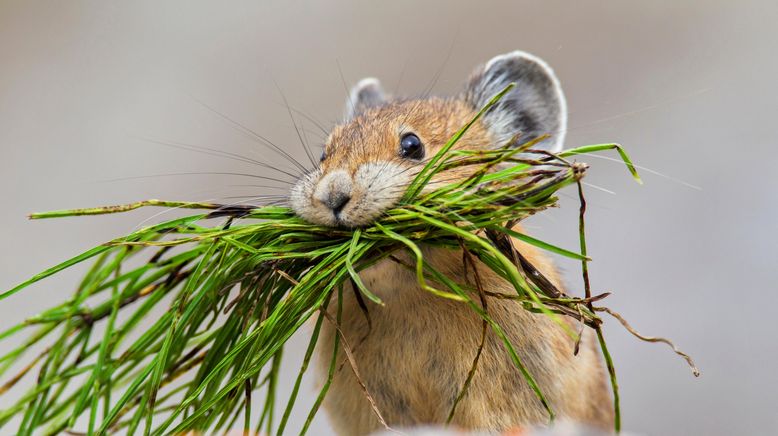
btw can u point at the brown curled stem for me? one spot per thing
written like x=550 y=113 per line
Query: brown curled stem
x=635 y=333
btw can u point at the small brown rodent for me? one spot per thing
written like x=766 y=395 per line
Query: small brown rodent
x=421 y=347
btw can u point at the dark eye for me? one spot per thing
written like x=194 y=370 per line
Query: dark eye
x=411 y=147
x=323 y=156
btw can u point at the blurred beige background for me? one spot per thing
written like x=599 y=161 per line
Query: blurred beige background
x=688 y=87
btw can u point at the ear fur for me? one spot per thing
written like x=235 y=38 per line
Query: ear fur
x=364 y=95
x=534 y=107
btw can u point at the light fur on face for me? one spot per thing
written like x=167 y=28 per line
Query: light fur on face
x=374 y=188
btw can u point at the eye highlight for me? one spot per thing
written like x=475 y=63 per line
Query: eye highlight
x=411 y=147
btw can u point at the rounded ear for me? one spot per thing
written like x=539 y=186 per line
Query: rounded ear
x=364 y=95
x=534 y=107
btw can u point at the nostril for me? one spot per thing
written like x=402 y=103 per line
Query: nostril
x=337 y=201
x=333 y=190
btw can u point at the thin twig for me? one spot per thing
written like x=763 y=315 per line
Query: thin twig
x=353 y=363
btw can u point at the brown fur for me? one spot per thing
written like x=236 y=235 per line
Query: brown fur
x=373 y=135
x=418 y=353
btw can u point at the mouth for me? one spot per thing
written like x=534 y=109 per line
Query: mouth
x=339 y=221
x=348 y=221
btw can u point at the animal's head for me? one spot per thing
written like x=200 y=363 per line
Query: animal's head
x=370 y=159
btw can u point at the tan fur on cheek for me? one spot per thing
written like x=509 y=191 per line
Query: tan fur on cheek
x=304 y=205
x=378 y=186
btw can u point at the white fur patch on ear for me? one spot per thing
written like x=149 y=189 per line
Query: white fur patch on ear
x=535 y=107
x=365 y=94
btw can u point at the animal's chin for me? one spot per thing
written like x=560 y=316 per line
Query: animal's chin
x=345 y=224
x=346 y=220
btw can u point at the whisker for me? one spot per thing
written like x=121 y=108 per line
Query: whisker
x=400 y=78
x=249 y=201
x=648 y=170
x=313 y=133
x=294 y=123
x=599 y=188
x=257 y=197
x=165 y=211
x=276 y=197
x=307 y=145
x=645 y=109
x=433 y=81
x=206 y=173
x=257 y=186
x=345 y=87
x=254 y=135
x=217 y=153
x=315 y=122
x=352 y=104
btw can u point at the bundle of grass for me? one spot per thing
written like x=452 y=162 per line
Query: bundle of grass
x=239 y=289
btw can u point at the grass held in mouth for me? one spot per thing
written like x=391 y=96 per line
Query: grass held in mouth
x=236 y=282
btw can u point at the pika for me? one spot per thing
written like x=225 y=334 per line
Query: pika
x=420 y=347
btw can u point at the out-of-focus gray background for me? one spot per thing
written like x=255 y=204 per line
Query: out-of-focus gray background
x=688 y=87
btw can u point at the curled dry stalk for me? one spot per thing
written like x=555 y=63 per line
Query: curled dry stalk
x=629 y=328
x=175 y=325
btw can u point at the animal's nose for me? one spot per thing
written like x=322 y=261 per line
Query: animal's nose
x=337 y=201
x=334 y=190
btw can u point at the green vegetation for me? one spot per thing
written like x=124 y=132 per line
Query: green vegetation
x=175 y=325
